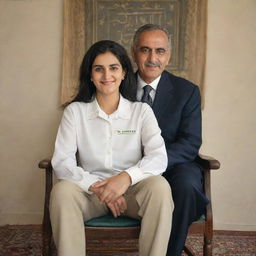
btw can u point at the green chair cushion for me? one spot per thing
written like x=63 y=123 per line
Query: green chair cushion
x=111 y=221
x=202 y=218
x=121 y=221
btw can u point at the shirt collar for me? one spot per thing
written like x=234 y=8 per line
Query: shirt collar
x=153 y=84
x=123 y=110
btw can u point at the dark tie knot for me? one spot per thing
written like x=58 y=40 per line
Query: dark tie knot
x=146 y=96
x=147 y=89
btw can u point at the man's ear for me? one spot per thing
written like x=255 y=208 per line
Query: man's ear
x=133 y=53
x=170 y=55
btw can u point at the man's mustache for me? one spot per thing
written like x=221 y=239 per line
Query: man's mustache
x=152 y=64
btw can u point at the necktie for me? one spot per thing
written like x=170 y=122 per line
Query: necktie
x=146 y=96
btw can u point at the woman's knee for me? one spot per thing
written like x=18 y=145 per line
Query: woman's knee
x=159 y=186
x=63 y=191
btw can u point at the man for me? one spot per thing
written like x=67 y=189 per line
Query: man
x=176 y=104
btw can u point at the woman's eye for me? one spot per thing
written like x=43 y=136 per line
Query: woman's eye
x=114 y=68
x=98 y=69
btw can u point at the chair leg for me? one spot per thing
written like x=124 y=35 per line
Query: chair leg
x=207 y=246
x=46 y=225
x=188 y=251
x=47 y=239
x=47 y=250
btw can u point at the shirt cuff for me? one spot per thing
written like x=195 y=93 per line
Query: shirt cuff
x=86 y=182
x=136 y=174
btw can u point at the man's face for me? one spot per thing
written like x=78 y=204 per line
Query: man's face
x=151 y=54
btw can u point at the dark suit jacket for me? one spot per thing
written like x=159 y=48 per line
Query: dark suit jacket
x=177 y=107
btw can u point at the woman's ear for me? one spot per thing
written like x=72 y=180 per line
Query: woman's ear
x=124 y=73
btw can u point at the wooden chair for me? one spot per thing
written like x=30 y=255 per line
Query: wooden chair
x=205 y=223
x=121 y=236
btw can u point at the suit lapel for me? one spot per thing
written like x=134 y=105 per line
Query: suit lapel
x=164 y=95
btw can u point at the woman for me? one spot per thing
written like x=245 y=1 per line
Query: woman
x=108 y=156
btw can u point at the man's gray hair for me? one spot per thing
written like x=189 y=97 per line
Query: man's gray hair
x=150 y=27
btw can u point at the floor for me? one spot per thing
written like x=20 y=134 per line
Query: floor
x=25 y=240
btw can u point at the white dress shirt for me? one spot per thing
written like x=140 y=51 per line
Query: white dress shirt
x=141 y=85
x=127 y=140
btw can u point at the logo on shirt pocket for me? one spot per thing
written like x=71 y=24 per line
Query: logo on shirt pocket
x=124 y=132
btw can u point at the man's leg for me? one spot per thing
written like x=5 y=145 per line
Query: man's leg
x=69 y=207
x=151 y=200
x=189 y=202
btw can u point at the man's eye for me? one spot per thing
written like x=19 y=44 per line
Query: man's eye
x=160 y=51
x=144 y=50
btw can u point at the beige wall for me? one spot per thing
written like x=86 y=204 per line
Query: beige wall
x=229 y=115
x=30 y=71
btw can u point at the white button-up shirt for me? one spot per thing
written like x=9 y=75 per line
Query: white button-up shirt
x=127 y=140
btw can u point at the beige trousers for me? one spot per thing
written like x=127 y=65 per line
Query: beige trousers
x=149 y=200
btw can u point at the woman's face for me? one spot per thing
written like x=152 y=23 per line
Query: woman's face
x=107 y=74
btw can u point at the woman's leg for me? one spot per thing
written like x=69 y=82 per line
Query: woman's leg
x=151 y=200
x=70 y=206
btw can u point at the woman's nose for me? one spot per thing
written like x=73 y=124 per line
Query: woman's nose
x=106 y=74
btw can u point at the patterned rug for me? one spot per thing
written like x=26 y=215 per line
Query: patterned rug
x=25 y=240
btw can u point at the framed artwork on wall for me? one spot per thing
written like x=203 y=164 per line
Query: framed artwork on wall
x=88 y=21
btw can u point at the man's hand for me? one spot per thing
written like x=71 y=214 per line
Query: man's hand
x=117 y=207
x=111 y=189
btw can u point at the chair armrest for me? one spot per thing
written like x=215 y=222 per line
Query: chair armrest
x=45 y=164
x=208 y=162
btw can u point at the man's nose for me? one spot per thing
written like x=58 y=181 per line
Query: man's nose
x=152 y=57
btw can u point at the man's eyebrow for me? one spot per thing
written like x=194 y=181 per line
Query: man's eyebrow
x=161 y=48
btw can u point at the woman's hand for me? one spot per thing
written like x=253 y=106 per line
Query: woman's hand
x=112 y=188
x=96 y=190
x=117 y=207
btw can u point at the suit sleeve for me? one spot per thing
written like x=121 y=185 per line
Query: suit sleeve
x=188 y=139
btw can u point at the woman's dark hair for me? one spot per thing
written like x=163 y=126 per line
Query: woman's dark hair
x=87 y=89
